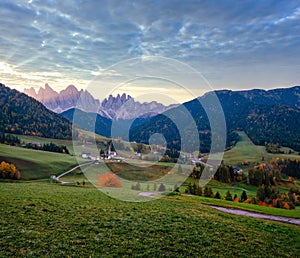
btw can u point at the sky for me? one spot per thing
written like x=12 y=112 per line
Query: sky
x=232 y=44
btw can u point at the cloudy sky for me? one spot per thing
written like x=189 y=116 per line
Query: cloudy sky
x=233 y=44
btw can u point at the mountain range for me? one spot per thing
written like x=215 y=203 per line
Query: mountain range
x=271 y=116
x=266 y=116
x=119 y=107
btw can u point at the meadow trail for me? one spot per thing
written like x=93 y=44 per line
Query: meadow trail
x=257 y=215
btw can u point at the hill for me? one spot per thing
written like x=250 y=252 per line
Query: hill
x=21 y=114
x=263 y=115
x=89 y=121
x=289 y=97
x=35 y=164
x=102 y=125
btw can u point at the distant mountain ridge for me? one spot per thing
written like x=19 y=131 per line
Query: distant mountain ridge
x=65 y=99
x=289 y=97
x=119 y=107
x=266 y=116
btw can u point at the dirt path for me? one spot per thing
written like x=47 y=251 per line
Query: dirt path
x=257 y=215
x=148 y=194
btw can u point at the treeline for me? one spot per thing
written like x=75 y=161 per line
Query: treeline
x=273 y=148
x=270 y=174
x=15 y=141
x=224 y=173
x=227 y=174
x=291 y=168
x=9 y=139
x=268 y=196
x=52 y=147
x=258 y=177
x=160 y=188
x=195 y=189
x=262 y=174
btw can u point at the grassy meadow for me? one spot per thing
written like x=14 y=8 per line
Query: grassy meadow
x=245 y=150
x=35 y=164
x=49 y=220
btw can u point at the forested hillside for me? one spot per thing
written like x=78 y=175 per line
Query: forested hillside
x=21 y=114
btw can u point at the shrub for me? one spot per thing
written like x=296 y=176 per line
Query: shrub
x=109 y=180
x=251 y=200
x=9 y=171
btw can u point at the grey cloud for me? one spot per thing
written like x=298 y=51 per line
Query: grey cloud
x=73 y=36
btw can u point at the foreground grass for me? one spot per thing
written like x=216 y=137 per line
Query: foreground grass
x=39 y=219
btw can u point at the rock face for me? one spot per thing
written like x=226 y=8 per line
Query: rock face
x=119 y=107
x=64 y=100
x=125 y=107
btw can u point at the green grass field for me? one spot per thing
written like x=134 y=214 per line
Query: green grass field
x=87 y=147
x=49 y=220
x=246 y=150
x=35 y=164
x=42 y=140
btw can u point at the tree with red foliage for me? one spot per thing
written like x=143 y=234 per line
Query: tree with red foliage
x=109 y=180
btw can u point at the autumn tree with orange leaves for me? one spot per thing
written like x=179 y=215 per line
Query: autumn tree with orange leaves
x=109 y=180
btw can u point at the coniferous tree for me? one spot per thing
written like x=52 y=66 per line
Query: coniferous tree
x=244 y=196
x=161 y=188
x=228 y=196
x=217 y=195
x=208 y=192
x=198 y=191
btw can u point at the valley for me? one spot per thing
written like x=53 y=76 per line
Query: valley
x=140 y=172
x=149 y=128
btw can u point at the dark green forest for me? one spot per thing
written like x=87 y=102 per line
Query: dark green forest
x=264 y=118
x=21 y=114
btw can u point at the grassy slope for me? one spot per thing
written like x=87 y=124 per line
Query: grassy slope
x=50 y=220
x=35 y=164
x=246 y=150
x=69 y=143
x=42 y=140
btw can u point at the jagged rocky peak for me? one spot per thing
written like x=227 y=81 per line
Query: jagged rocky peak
x=121 y=106
x=46 y=94
x=65 y=99
x=70 y=90
x=30 y=92
x=119 y=99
